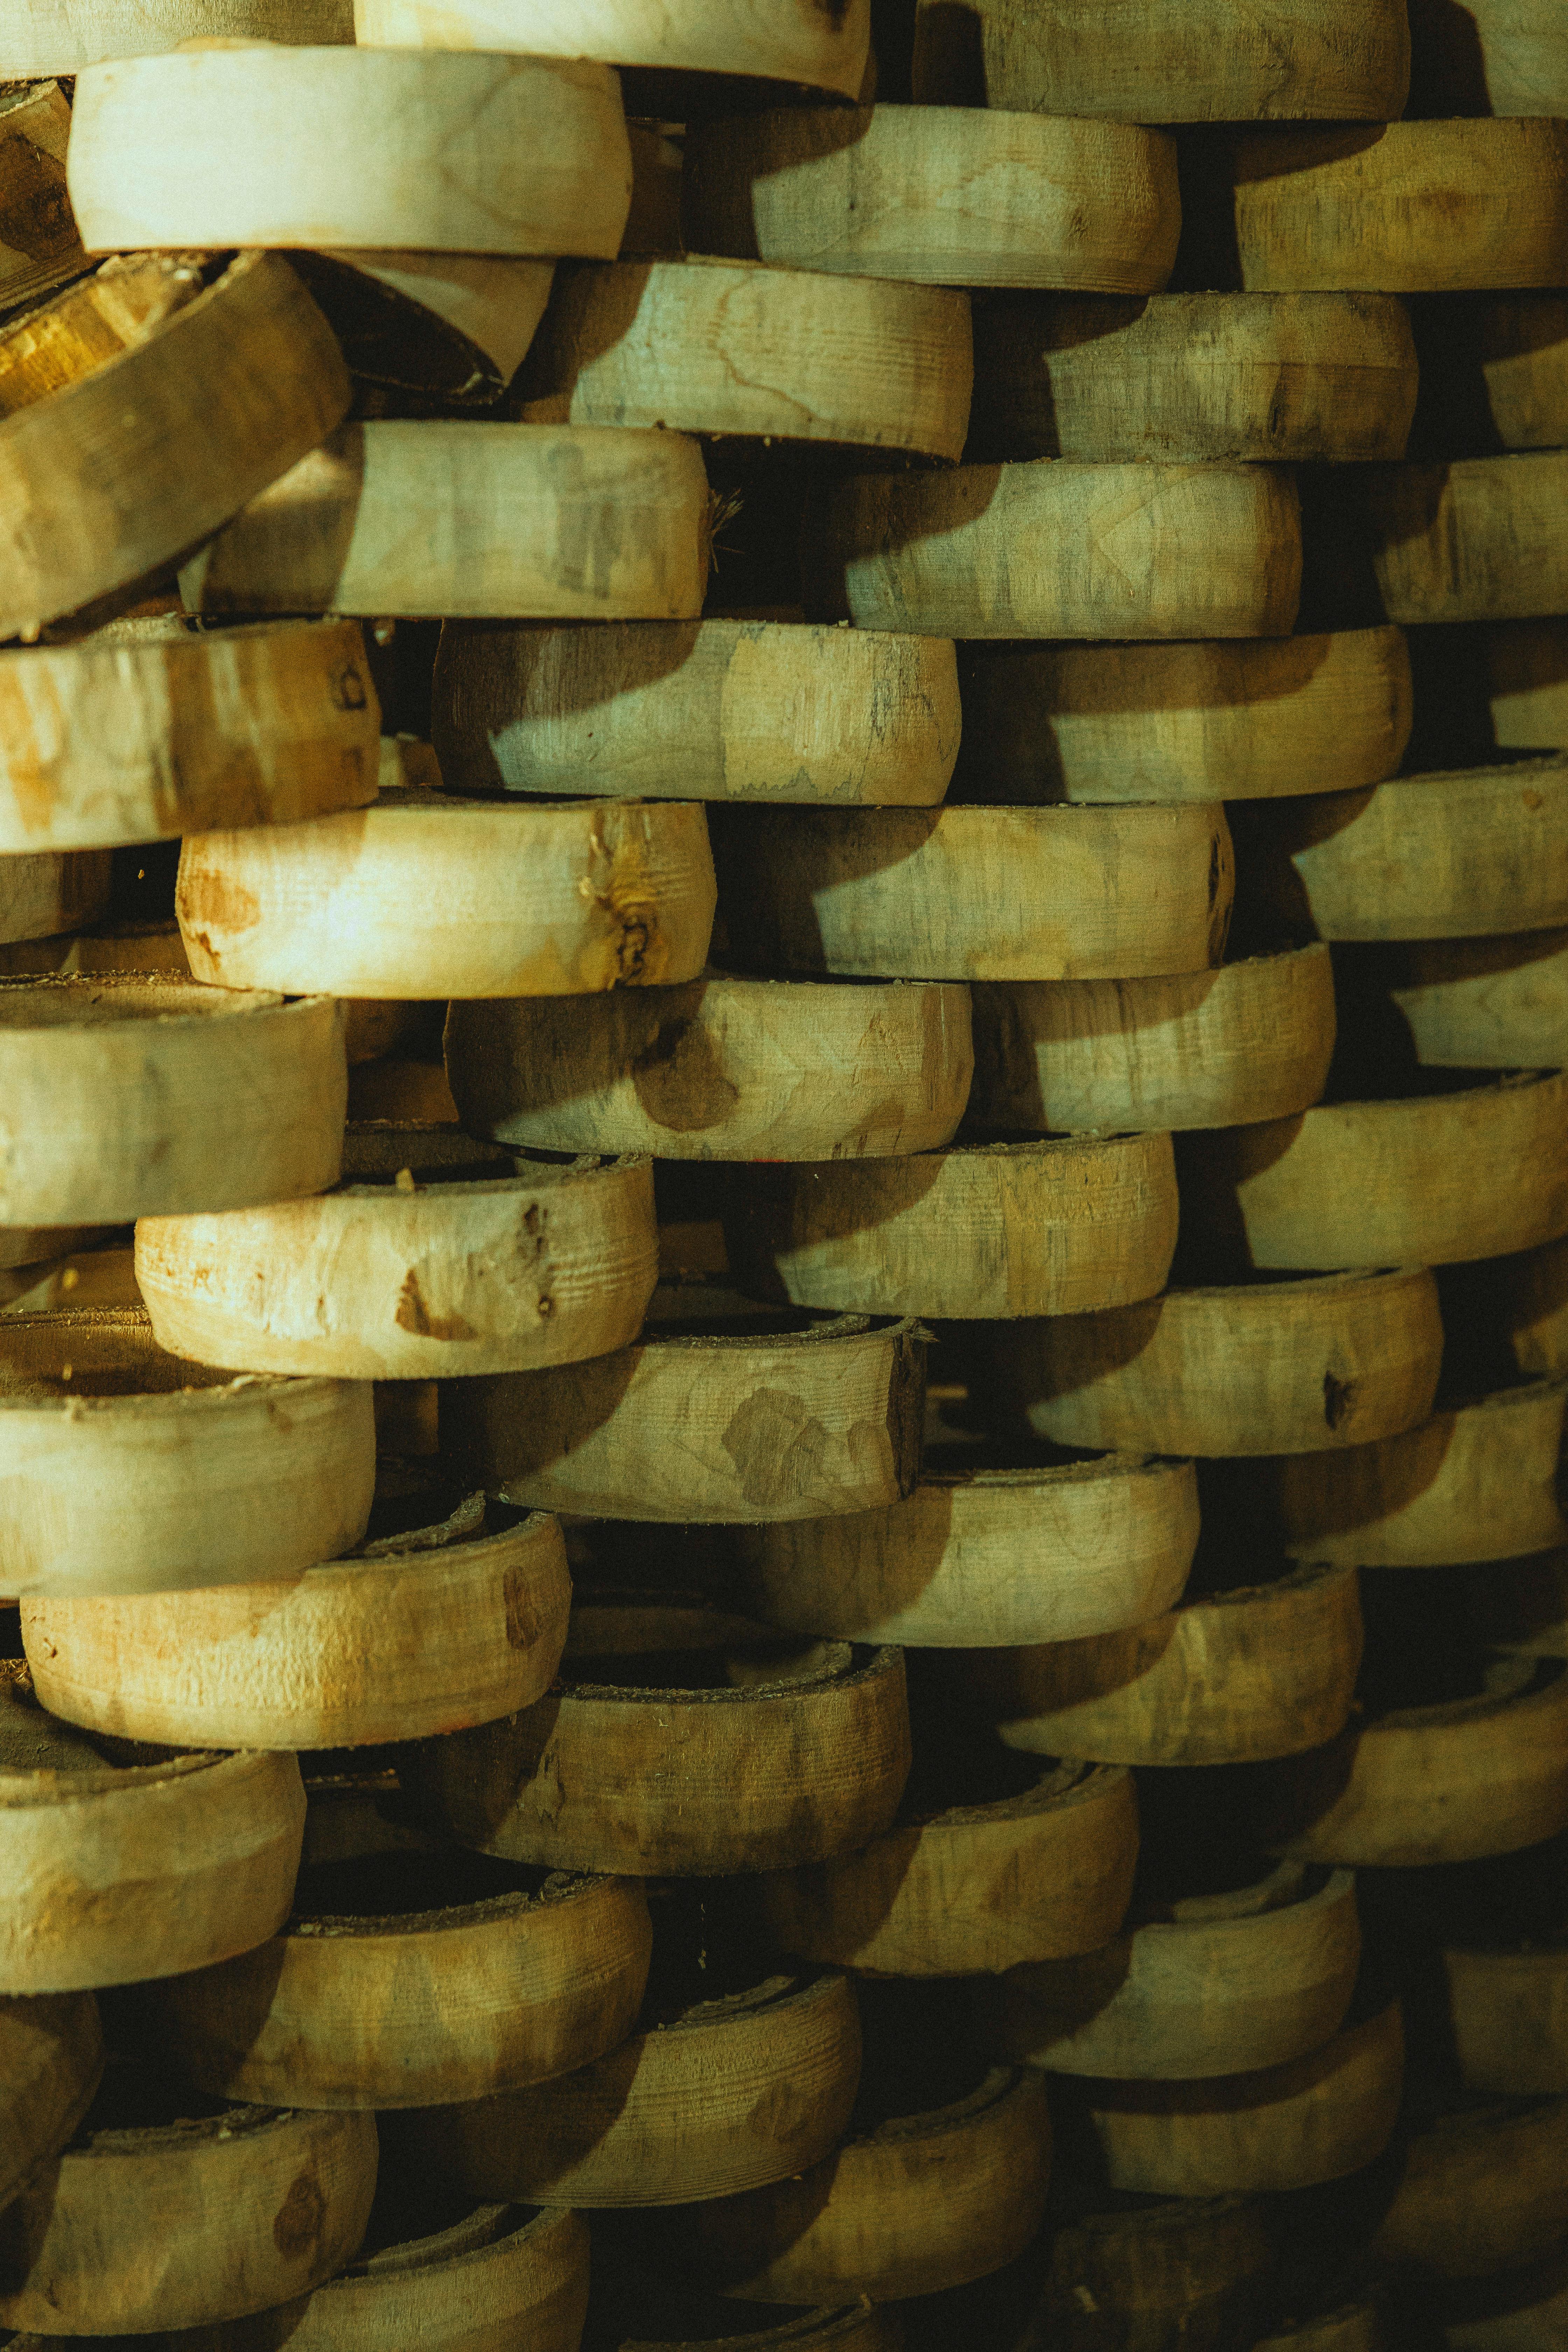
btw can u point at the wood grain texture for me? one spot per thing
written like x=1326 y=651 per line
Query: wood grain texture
x=39 y=247
x=1430 y=1180
x=1215 y=1984
x=971 y=1890
x=49 y=892
x=1316 y=2118
x=1297 y=1367
x=270 y=145
x=422 y=896
x=778 y=40
x=1142 y=2271
x=51 y=2057
x=62 y=36
x=1467 y=542
x=1402 y=208
x=1183 y=722
x=1508 y=2011
x=139 y=409
x=1054 y=548
x=1482 y=2192
x=1495 y=57
x=115 y=1874
x=1478 y=1004
x=977 y=893
x=462 y=517
x=1246 y=1042
x=699 y=710
x=749 y=2088
x=1168 y=61
x=128 y=1471
x=410 y=1637
x=723 y=1068
x=985 y=1559
x=735 y=348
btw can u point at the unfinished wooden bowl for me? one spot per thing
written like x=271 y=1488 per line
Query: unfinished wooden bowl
x=41 y=247
x=1476 y=1004
x=1199 y=2263
x=1016 y=551
x=723 y=1068
x=424 y=896
x=51 y=892
x=1228 y=1047
x=1225 y=720
x=785 y=40
x=1508 y=2010
x=130 y=1471
x=51 y=2057
x=701 y=711
x=53 y=39
x=440 y=516
x=944 y=196
x=141 y=408
x=1212 y=1984
x=1467 y=542
x=1502 y=57
x=445 y=328
x=977 y=893
x=118 y=1873
x=1482 y=2192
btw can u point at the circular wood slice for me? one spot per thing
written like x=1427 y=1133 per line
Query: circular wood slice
x=945 y=195
x=62 y=36
x=1291 y=378
x=1508 y=2010
x=1216 y=1984
x=143 y=406
x=118 y=1873
x=1467 y=542
x=1185 y=723
x=1431 y=1181
x=1482 y=2190
x=1000 y=1229
x=128 y=1095
x=128 y=1471
x=416 y=1980
x=1477 y=1482
x=917 y=2205
x=1146 y=2273
x=1316 y=2118
x=1478 y=1004
x=154 y=2219
x=985 y=1559
x=751 y=2086
x=711 y=1417
x=1229 y=1047
x=411 y=1637
x=422 y=896
x=41 y=244
x=734 y=347
x=1526 y=670
x=697 y=710
x=51 y=2057
x=1228 y=1678
x=782 y=40
x=436 y=1255
x=1293 y=1367
x=971 y=1890
x=1171 y=62
x=1404 y=208
x=449 y=327
x=1060 y=549
x=440 y=516
x=978 y=893
x=281 y=146
x=51 y=892
x=723 y=1068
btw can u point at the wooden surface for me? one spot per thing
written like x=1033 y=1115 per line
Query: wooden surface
x=1508 y=2010
x=1482 y=2190
x=139 y=409
x=1527 y=675
x=722 y=1068
x=1263 y=1368
x=277 y=146
x=1287 y=378
x=973 y=1890
x=985 y=1559
x=410 y=1637
x=1532 y=1294
x=127 y=1095
x=1169 y=62
x=1141 y=2270
x=1406 y=207
x=132 y=1472
x=115 y=1874
x=783 y=40
x=1493 y=57
x=426 y=1261
x=1183 y=722
x=438 y=518
x=1469 y=542
x=422 y=896
x=39 y=247
x=445 y=327
x=117 y=740
x=1473 y=1005
x=1419 y=1182
x=1216 y=1984
x=998 y=1231
x=51 y=2057
x=51 y=892
x=1058 y=550
x=949 y=195
x=1248 y=1041
x=977 y=893
x=699 y=710
x=1229 y=1678
x=1501 y=362
x=60 y=37
x=748 y=2088
x=495 y=2277
x=734 y=347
